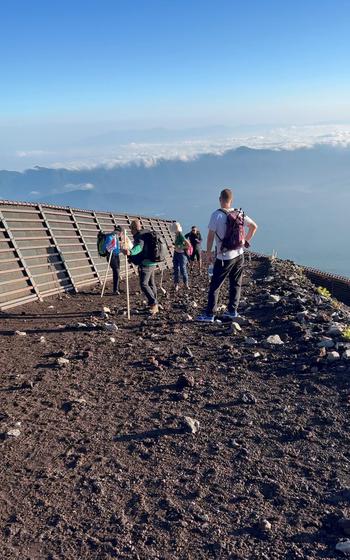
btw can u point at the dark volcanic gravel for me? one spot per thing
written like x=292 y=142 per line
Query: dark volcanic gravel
x=178 y=440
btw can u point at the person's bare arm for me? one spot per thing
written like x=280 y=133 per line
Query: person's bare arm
x=251 y=231
x=210 y=240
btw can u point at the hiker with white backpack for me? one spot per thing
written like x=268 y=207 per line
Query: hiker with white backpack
x=227 y=226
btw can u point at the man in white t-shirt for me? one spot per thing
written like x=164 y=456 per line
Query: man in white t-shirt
x=228 y=262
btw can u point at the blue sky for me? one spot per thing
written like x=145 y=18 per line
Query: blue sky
x=72 y=70
x=183 y=60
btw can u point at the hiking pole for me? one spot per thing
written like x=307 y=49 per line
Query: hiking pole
x=163 y=290
x=127 y=277
x=105 y=280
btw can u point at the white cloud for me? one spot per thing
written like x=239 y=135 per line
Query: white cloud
x=34 y=192
x=69 y=187
x=148 y=154
x=32 y=153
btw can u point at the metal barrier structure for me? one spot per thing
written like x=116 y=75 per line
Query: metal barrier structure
x=45 y=250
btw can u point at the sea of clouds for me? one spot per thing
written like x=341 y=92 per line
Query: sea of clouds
x=150 y=152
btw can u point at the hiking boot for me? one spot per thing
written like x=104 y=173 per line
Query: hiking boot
x=204 y=318
x=176 y=287
x=231 y=315
x=187 y=287
x=153 y=309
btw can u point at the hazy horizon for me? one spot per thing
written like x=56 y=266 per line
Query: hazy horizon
x=299 y=197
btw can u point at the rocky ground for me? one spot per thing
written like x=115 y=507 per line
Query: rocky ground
x=161 y=438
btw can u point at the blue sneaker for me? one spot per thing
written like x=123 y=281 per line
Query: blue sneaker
x=231 y=315
x=204 y=318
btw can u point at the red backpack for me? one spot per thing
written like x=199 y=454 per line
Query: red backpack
x=234 y=234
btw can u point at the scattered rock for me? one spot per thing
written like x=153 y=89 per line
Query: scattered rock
x=236 y=326
x=274 y=339
x=265 y=525
x=185 y=380
x=13 y=432
x=20 y=333
x=106 y=310
x=302 y=315
x=42 y=339
x=325 y=342
x=191 y=425
x=250 y=340
x=333 y=356
x=273 y=298
x=346 y=354
x=248 y=398
x=62 y=362
x=343 y=546
x=110 y=327
x=335 y=330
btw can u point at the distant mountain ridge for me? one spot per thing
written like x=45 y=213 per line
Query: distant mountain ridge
x=299 y=197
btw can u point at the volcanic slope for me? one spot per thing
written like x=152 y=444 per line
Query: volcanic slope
x=168 y=439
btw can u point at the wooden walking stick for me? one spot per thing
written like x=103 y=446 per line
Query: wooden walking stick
x=105 y=280
x=127 y=276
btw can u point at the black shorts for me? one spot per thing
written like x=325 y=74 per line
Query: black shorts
x=196 y=255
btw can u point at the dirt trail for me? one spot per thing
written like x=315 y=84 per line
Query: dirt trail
x=97 y=461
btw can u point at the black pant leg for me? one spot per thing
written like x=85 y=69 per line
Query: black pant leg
x=235 y=278
x=115 y=266
x=220 y=272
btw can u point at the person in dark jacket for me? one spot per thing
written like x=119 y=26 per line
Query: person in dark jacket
x=195 y=238
x=147 y=268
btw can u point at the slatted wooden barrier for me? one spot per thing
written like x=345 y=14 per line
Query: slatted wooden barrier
x=45 y=250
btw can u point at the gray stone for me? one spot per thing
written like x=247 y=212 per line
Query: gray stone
x=250 y=340
x=333 y=356
x=13 y=432
x=110 y=327
x=346 y=354
x=325 y=342
x=343 y=546
x=302 y=315
x=62 y=362
x=335 y=330
x=265 y=525
x=191 y=425
x=274 y=339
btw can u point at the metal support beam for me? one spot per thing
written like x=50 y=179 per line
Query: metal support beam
x=86 y=249
x=18 y=254
x=52 y=235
